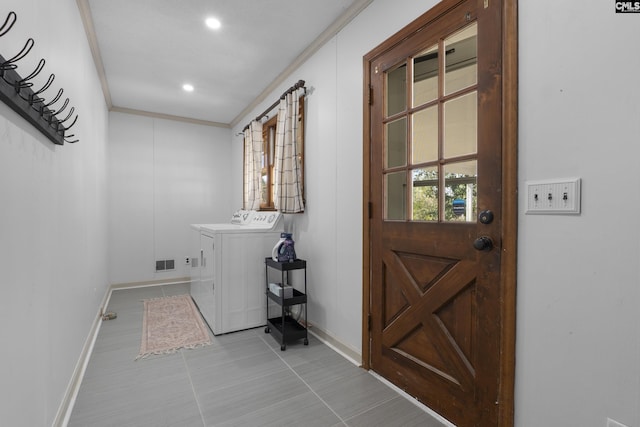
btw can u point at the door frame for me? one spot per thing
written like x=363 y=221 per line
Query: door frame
x=508 y=268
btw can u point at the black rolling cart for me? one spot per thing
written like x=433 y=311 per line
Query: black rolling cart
x=283 y=326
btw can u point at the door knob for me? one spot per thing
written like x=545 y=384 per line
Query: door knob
x=483 y=243
x=486 y=217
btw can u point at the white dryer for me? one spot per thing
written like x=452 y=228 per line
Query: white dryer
x=227 y=266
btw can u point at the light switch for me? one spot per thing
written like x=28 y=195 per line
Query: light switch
x=550 y=197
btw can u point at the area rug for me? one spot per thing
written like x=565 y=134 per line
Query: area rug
x=171 y=323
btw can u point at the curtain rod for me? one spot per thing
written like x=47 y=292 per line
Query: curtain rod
x=293 y=88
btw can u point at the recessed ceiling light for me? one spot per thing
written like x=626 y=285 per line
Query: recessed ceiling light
x=187 y=87
x=213 y=23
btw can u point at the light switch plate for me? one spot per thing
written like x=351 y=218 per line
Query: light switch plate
x=551 y=197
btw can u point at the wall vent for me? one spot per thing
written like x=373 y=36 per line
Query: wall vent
x=165 y=264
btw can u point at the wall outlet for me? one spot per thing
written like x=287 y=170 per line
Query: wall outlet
x=187 y=261
x=550 y=197
x=612 y=423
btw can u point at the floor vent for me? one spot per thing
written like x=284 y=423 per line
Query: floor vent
x=165 y=264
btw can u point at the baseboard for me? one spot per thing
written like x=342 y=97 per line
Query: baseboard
x=64 y=410
x=66 y=406
x=345 y=350
x=129 y=285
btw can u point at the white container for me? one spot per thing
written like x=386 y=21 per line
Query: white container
x=282 y=292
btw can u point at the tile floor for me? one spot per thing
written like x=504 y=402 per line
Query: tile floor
x=243 y=379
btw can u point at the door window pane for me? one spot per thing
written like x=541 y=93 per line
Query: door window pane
x=396 y=143
x=461 y=59
x=396 y=90
x=460 y=126
x=395 y=189
x=425 y=194
x=460 y=190
x=425 y=76
x=431 y=144
x=425 y=135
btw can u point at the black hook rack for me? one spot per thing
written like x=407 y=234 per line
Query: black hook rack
x=17 y=93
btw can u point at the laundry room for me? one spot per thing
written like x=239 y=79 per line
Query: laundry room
x=110 y=207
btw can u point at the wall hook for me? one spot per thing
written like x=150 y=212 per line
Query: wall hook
x=24 y=82
x=33 y=98
x=72 y=123
x=64 y=105
x=16 y=91
x=9 y=63
x=68 y=116
x=8 y=25
x=44 y=108
x=50 y=80
x=68 y=138
x=57 y=97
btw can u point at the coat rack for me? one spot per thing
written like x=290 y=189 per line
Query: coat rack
x=18 y=93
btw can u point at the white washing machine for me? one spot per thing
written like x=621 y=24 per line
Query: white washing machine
x=227 y=269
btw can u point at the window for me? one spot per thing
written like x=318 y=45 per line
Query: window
x=430 y=133
x=266 y=173
x=267 y=157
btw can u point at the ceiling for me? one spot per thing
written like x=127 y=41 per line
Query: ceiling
x=145 y=50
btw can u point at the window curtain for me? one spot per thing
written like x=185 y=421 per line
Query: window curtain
x=287 y=171
x=252 y=166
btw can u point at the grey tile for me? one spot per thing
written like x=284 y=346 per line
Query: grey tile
x=298 y=353
x=177 y=289
x=122 y=298
x=302 y=410
x=127 y=321
x=355 y=394
x=225 y=372
x=133 y=376
x=224 y=351
x=137 y=393
x=151 y=409
x=241 y=379
x=396 y=412
x=331 y=366
x=229 y=403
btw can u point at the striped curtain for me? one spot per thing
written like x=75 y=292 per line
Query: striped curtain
x=287 y=170
x=252 y=165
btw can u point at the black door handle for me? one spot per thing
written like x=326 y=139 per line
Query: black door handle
x=483 y=243
x=486 y=217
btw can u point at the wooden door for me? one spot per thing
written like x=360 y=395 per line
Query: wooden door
x=441 y=225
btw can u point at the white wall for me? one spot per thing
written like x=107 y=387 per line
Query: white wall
x=164 y=175
x=53 y=220
x=578 y=336
x=329 y=233
x=578 y=342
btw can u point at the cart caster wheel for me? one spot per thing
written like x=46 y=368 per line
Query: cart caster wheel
x=306 y=341
x=267 y=330
x=283 y=347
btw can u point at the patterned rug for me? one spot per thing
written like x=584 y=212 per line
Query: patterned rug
x=171 y=323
